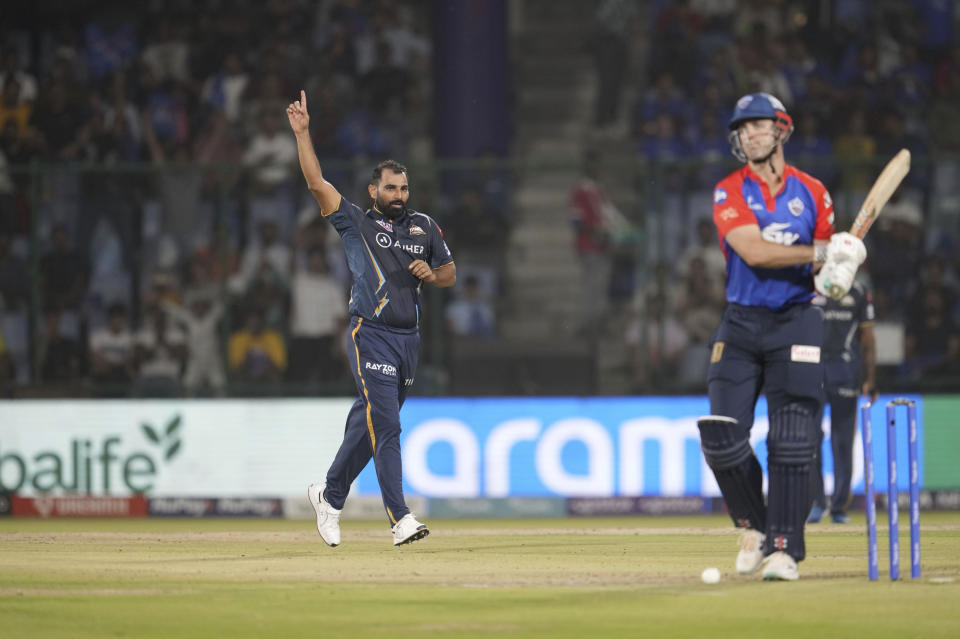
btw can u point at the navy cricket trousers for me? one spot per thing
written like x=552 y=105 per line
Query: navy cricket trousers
x=777 y=352
x=843 y=428
x=754 y=351
x=383 y=362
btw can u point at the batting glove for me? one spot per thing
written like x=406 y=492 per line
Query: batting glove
x=845 y=247
x=835 y=278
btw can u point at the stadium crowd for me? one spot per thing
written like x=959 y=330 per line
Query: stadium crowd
x=862 y=79
x=173 y=248
x=168 y=211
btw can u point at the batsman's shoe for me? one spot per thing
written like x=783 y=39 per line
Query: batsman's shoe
x=751 y=552
x=840 y=518
x=408 y=529
x=780 y=567
x=328 y=517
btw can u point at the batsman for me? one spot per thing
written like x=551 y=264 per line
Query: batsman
x=775 y=224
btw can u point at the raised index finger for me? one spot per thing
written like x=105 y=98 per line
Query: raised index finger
x=303 y=99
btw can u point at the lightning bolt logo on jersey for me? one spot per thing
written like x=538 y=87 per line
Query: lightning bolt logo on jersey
x=379 y=253
x=799 y=213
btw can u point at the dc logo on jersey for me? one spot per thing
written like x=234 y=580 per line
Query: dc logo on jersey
x=383 y=240
x=720 y=195
x=796 y=206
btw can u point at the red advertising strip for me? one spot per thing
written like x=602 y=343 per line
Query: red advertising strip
x=79 y=506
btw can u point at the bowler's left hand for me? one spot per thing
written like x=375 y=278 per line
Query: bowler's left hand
x=422 y=270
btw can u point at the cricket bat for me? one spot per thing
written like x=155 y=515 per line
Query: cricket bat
x=888 y=181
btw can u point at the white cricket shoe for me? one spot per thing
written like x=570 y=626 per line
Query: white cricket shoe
x=750 y=556
x=328 y=517
x=408 y=529
x=780 y=567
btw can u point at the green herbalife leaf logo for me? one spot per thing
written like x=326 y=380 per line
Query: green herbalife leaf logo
x=167 y=438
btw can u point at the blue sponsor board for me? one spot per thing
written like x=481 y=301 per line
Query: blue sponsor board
x=575 y=447
x=653 y=506
x=484 y=508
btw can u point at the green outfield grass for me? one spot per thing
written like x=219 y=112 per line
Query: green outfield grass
x=583 y=578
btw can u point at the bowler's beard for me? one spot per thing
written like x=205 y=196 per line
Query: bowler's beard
x=392 y=212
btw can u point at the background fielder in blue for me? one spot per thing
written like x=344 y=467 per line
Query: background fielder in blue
x=391 y=251
x=849 y=356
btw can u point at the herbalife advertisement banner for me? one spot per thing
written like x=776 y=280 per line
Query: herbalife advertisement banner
x=454 y=448
x=168 y=448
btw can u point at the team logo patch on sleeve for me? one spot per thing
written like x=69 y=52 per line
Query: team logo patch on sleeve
x=805 y=353
x=719 y=196
x=416 y=230
x=728 y=213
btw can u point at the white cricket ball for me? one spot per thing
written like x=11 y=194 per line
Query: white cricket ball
x=710 y=576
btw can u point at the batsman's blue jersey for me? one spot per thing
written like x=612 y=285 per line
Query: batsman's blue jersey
x=799 y=213
x=379 y=251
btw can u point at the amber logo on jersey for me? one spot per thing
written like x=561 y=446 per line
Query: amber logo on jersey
x=728 y=213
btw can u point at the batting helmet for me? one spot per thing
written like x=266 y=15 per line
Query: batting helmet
x=758 y=106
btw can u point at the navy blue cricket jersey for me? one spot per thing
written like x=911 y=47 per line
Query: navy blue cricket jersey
x=379 y=252
x=841 y=341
